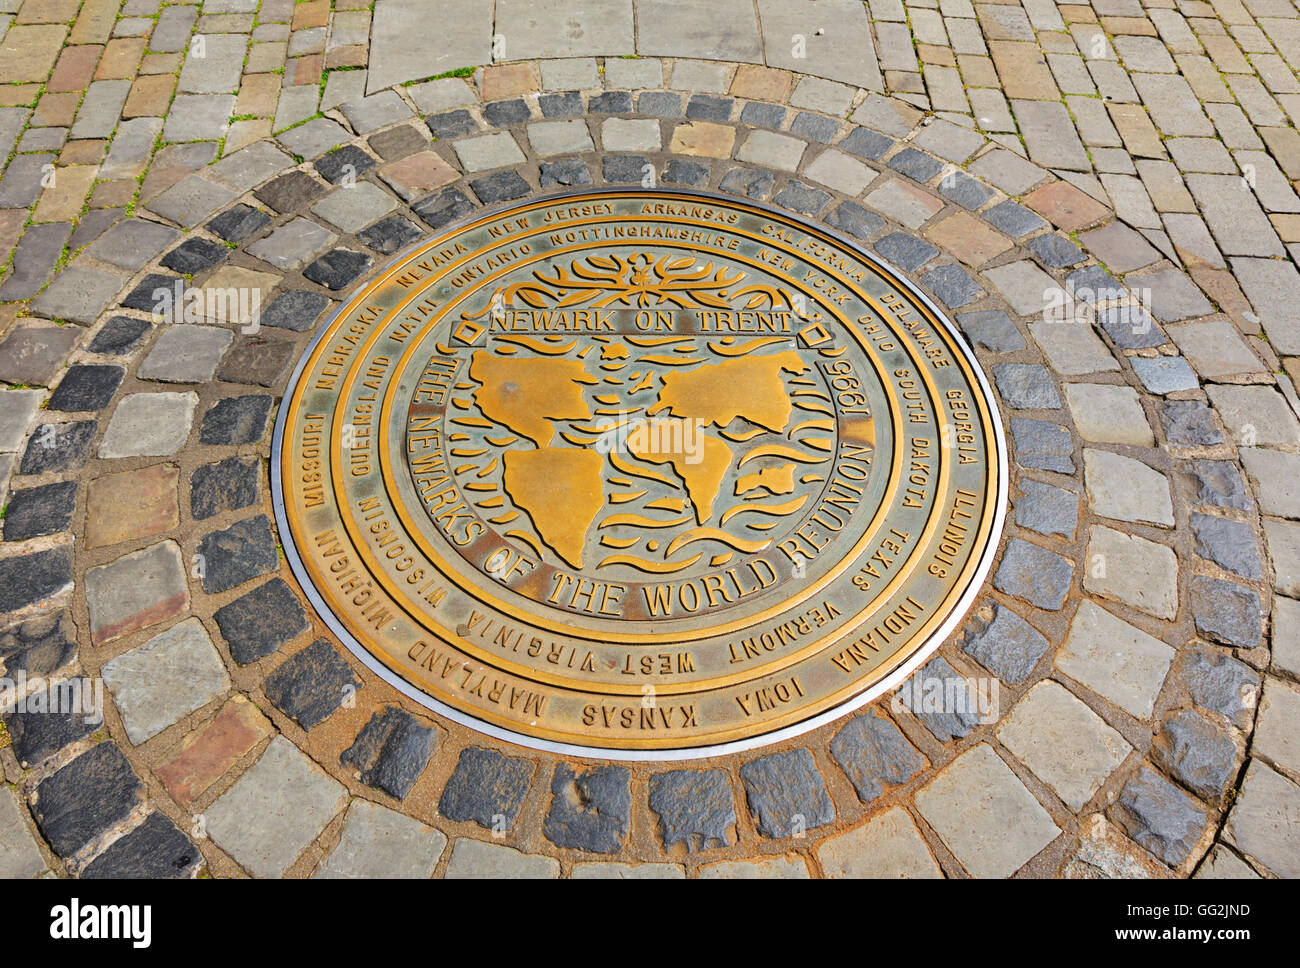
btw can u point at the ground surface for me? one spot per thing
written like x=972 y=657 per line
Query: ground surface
x=1141 y=619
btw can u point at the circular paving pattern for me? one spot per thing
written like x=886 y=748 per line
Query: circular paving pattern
x=634 y=471
x=1136 y=722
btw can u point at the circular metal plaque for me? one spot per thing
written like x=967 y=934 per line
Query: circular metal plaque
x=640 y=474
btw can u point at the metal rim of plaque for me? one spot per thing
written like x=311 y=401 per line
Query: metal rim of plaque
x=639 y=474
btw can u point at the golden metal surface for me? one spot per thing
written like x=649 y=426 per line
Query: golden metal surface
x=640 y=471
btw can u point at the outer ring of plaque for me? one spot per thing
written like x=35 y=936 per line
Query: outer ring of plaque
x=899 y=675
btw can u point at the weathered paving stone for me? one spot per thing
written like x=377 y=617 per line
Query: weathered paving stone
x=348 y=162
x=1126 y=489
x=236 y=420
x=186 y=354
x=78 y=295
x=311 y=684
x=611 y=102
x=167 y=678
x=1093 y=285
x=1131 y=327
x=451 y=124
x=257 y=361
x=786 y=794
x=915 y=165
x=36 y=511
x=799 y=197
x=85 y=798
x=1160 y=817
x=290 y=192
x=500 y=187
x=292 y=244
x=1047 y=509
x=33 y=261
x=751 y=183
x=1261 y=823
x=624 y=168
x=1108 y=414
x=352 y=208
x=52 y=718
x=155 y=849
x=1229 y=544
x=1219 y=484
x=872 y=753
x=1220 y=683
x=20 y=858
x=1189 y=423
x=1227 y=612
x=564 y=104
x=237 y=554
x=260 y=622
x=194 y=256
x=590 y=809
x=567 y=172
x=708 y=108
x=136 y=591
x=1114 y=659
x=26 y=579
x=775 y=868
x=952 y=285
x=119 y=336
x=149 y=425
x=296 y=309
x=759 y=115
x=985 y=815
x=964 y=190
x=391 y=234
x=907 y=252
x=474 y=859
x=659 y=104
x=378 y=842
x=86 y=387
x=1034 y=574
x=694 y=807
x=1276 y=733
x=33 y=355
x=239 y=223
x=887 y=846
x=391 y=751
x=1007 y=645
x=943 y=680
x=992 y=329
x=259 y=826
x=228 y=485
x=1014 y=219
x=1055 y=251
x=1105 y=853
x=681 y=172
x=1066 y=745
x=1223 y=865
x=866 y=143
x=487 y=788
x=39 y=645
x=1201 y=755
x=148 y=294
x=1026 y=386
x=205 y=755
x=815 y=127
x=1165 y=374
x=338 y=268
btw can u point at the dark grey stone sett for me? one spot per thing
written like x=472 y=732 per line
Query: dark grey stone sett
x=227 y=485
x=1198 y=753
x=258 y=361
x=337 y=268
x=451 y=124
x=1026 y=386
x=237 y=554
x=290 y=192
x=1093 y=284
x=119 y=335
x=257 y=624
x=239 y=222
x=748 y=182
x=565 y=104
x=295 y=309
x=1189 y=423
x=27 y=579
x=1047 y=509
x=391 y=751
x=1013 y=219
x=682 y=172
x=951 y=285
x=92 y=793
x=36 y=511
x=55 y=448
x=1219 y=484
x=1131 y=327
x=1229 y=544
x=1008 y=646
x=342 y=163
x=589 y=808
x=964 y=190
x=907 y=252
x=500 y=187
x=852 y=219
x=86 y=387
x=915 y=165
x=1227 y=612
x=758 y=114
x=802 y=198
x=391 y=234
x=39 y=645
x=786 y=793
x=502 y=113
x=155 y=850
x=567 y=172
x=444 y=207
x=695 y=808
x=1035 y=574
x=611 y=102
x=1055 y=251
x=48 y=726
x=937 y=677
x=194 y=256
x=487 y=788
x=872 y=752
x=311 y=684
x=992 y=329
x=236 y=420
x=1160 y=817
x=146 y=296
x=815 y=127
x=1220 y=683
x=659 y=104
x=705 y=107
x=623 y=168
x=1042 y=445
x=866 y=143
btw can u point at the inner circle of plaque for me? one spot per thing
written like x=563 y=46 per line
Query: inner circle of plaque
x=639 y=474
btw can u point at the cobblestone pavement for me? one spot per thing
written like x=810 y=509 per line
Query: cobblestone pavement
x=1133 y=162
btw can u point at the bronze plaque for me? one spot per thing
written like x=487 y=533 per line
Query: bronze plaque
x=641 y=474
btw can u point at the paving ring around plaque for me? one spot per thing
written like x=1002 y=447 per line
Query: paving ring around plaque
x=640 y=474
